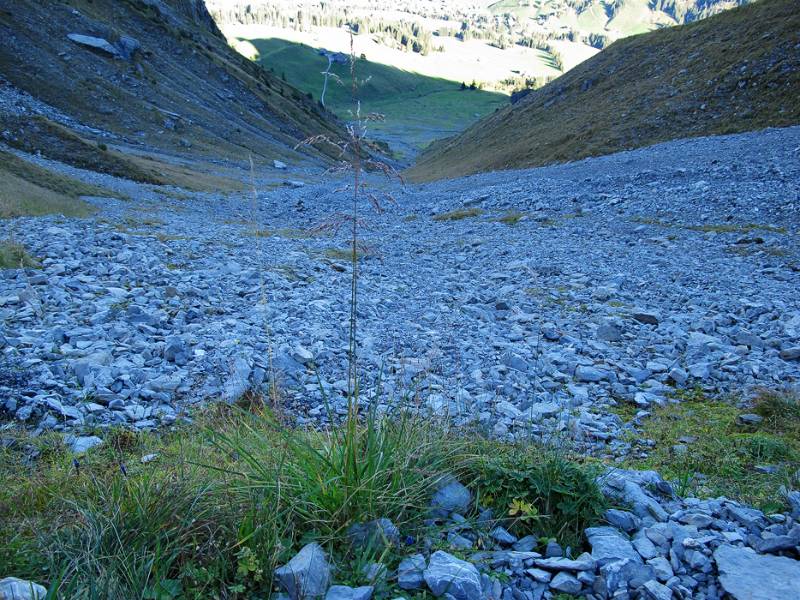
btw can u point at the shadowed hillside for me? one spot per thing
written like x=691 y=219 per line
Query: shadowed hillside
x=418 y=109
x=738 y=71
x=165 y=83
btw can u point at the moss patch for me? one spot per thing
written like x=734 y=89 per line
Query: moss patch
x=700 y=444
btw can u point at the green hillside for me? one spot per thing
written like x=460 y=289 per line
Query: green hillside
x=418 y=109
x=737 y=71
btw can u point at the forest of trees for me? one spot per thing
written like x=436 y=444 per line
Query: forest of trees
x=403 y=35
x=380 y=20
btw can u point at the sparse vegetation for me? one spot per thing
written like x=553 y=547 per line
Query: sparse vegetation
x=27 y=189
x=343 y=253
x=740 y=228
x=14 y=256
x=292 y=233
x=458 y=214
x=512 y=217
x=619 y=98
x=219 y=123
x=232 y=496
x=700 y=444
x=39 y=134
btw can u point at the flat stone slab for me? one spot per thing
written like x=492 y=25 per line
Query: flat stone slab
x=746 y=575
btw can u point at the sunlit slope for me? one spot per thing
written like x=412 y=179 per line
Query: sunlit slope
x=737 y=71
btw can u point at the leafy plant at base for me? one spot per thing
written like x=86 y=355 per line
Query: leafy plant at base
x=538 y=490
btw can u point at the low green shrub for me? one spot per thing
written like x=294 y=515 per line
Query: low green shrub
x=539 y=490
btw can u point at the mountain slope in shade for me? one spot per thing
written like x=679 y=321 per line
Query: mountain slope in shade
x=737 y=71
x=182 y=92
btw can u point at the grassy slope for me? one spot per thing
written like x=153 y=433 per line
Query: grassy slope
x=417 y=108
x=29 y=190
x=738 y=71
x=227 y=106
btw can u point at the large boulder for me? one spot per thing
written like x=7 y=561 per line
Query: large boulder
x=95 y=43
x=447 y=574
x=307 y=576
x=410 y=572
x=746 y=575
x=12 y=588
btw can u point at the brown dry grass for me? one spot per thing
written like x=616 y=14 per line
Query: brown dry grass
x=27 y=189
x=39 y=134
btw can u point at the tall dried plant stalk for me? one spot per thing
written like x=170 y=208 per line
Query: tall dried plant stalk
x=352 y=157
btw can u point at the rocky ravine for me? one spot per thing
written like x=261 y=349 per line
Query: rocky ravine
x=625 y=278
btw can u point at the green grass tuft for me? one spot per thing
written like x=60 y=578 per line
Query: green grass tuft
x=458 y=214
x=512 y=217
x=14 y=256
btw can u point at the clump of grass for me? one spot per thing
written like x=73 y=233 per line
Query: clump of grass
x=14 y=256
x=781 y=410
x=735 y=228
x=290 y=233
x=362 y=470
x=344 y=254
x=458 y=214
x=748 y=250
x=167 y=237
x=176 y=194
x=740 y=228
x=721 y=457
x=512 y=217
